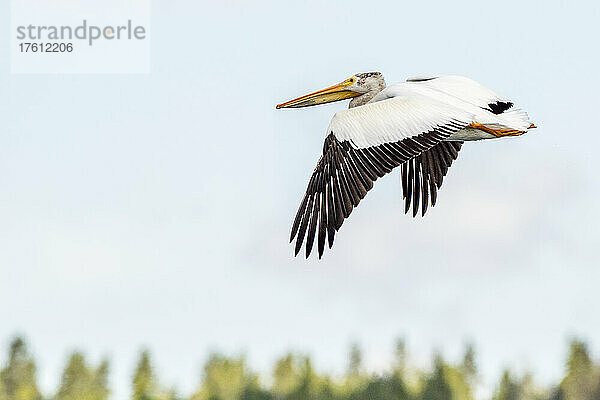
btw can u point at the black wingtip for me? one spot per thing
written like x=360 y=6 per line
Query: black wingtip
x=297 y=249
x=321 y=248
x=415 y=210
x=308 y=251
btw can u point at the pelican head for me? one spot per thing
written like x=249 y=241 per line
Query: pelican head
x=360 y=88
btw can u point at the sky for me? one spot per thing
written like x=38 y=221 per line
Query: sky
x=153 y=210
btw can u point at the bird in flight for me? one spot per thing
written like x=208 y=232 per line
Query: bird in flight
x=418 y=125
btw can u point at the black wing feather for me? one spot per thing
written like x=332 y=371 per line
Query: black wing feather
x=345 y=174
x=432 y=165
x=499 y=107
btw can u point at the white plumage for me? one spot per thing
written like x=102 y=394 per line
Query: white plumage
x=418 y=125
x=462 y=88
x=394 y=119
x=463 y=94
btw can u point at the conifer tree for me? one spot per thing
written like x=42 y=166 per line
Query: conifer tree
x=144 y=385
x=226 y=379
x=436 y=385
x=82 y=381
x=508 y=389
x=18 y=377
x=286 y=376
x=468 y=366
x=581 y=379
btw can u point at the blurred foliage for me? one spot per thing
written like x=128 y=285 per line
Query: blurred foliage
x=145 y=385
x=81 y=381
x=583 y=377
x=17 y=378
x=509 y=388
x=295 y=378
x=227 y=379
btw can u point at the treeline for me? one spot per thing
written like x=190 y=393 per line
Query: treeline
x=294 y=378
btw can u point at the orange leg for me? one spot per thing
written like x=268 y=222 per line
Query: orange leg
x=498 y=132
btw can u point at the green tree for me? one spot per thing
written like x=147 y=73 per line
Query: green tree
x=436 y=386
x=144 y=384
x=254 y=392
x=355 y=360
x=83 y=382
x=18 y=377
x=226 y=379
x=327 y=390
x=286 y=376
x=469 y=365
x=100 y=380
x=384 y=388
x=296 y=379
x=581 y=379
x=354 y=382
x=459 y=382
x=308 y=385
x=400 y=357
x=523 y=389
x=529 y=391
x=509 y=388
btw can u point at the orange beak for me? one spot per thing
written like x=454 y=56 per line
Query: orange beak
x=334 y=93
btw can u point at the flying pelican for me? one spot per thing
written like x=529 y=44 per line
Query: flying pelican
x=418 y=125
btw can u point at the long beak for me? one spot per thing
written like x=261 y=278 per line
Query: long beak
x=328 y=95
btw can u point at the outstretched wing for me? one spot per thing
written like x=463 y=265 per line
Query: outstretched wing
x=363 y=144
x=422 y=176
x=467 y=90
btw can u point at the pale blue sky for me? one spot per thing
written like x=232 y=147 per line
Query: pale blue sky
x=154 y=210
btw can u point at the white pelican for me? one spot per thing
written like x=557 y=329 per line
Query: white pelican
x=419 y=125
